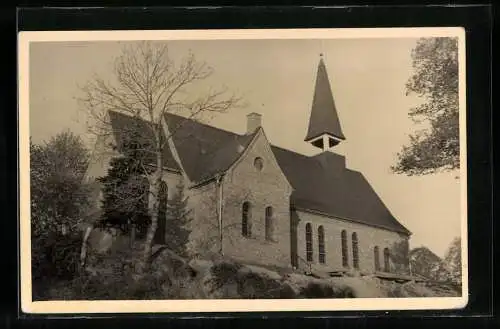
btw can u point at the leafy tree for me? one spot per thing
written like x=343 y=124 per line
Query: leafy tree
x=399 y=255
x=453 y=261
x=427 y=264
x=59 y=201
x=146 y=83
x=58 y=196
x=178 y=217
x=435 y=80
x=125 y=192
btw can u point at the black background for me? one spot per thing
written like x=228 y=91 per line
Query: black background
x=477 y=20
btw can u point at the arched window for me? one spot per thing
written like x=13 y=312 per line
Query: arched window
x=161 y=231
x=376 y=258
x=355 y=251
x=321 y=244
x=269 y=224
x=246 y=215
x=345 y=256
x=387 y=267
x=309 y=245
x=258 y=163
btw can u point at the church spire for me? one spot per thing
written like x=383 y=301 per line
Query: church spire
x=324 y=126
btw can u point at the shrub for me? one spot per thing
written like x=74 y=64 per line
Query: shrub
x=224 y=272
x=260 y=286
x=255 y=285
x=55 y=259
x=322 y=290
x=112 y=276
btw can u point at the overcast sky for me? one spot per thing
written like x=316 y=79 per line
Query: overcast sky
x=276 y=78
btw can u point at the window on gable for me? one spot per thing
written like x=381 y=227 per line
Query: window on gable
x=269 y=224
x=376 y=257
x=309 y=245
x=345 y=256
x=321 y=244
x=258 y=163
x=355 y=251
x=246 y=229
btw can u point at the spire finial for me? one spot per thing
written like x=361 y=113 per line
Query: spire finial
x=321 y=55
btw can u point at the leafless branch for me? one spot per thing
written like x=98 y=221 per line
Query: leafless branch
x=146 y=83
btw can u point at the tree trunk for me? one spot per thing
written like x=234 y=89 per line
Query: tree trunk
x=83 y=252
x=153 y=207
x=132 y=233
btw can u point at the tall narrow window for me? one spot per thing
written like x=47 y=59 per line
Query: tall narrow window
x=321 y=244
x=376 y=258
x=345 y=256
x=309 y=245
x=161 y=231
x=387 y=267
x=246 y=229
x=355 y=251
x=269 y=224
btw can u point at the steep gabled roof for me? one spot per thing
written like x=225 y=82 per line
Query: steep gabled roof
x=204 y=150
x=125 y=127
x=324 y=118
x=321 y=183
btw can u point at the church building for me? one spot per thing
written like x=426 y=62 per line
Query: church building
x=262 y=204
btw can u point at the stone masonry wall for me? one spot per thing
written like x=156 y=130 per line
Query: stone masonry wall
x=267 y=187
x=368 y=238
x=204 y=236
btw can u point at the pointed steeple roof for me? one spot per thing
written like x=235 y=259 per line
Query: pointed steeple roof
x=324 y=118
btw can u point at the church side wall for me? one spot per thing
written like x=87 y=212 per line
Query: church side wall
x=368 y=238
x=262 y=189
x=204 y=236
x=100 y=158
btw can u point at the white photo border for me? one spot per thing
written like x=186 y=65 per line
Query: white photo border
x=219 y=305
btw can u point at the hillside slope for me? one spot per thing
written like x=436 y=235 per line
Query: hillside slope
x=174 y=277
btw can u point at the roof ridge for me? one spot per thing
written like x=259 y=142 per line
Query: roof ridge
x=233 y=133
x=313 y=156
x=203 y=124
x=288 y=150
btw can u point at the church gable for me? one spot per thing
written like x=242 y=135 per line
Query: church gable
x=256 y=206
x=257 y=164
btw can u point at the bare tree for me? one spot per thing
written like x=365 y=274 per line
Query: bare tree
x=146 y=84
x=208 y=233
